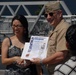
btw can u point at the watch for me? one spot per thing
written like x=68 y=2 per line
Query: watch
x=41 y=63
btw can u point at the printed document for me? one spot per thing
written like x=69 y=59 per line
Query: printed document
x=36 y=48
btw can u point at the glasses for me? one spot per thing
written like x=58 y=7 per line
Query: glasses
x=51 y=14
x=18 y=26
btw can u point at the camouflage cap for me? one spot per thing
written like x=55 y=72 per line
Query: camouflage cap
x=52 y=6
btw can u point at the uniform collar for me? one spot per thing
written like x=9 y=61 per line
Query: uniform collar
x=56 y=28
x=59 y=25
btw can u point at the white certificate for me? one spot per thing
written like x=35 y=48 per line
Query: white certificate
x=37 y=48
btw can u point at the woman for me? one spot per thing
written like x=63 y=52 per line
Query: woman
x=12 y=48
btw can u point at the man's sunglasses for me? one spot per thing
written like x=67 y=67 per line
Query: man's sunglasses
x=51 y=14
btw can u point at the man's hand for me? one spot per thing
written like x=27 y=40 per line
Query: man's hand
x=36 y=61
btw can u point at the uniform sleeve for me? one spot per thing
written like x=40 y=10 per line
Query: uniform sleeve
x=61 y=41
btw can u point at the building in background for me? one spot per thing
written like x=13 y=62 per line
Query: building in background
x=70 y=3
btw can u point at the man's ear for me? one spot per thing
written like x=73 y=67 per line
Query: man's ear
x=60 y=13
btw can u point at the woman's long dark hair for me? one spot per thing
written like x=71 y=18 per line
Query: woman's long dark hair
x=71 y=38
x=24 y=23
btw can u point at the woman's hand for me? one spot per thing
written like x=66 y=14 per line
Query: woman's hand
x=27 y=62
x=22 y=63
x=18 y=60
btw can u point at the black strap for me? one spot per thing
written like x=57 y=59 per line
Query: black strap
x=10 y=41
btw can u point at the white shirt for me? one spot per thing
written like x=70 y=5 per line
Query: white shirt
x=68 y=68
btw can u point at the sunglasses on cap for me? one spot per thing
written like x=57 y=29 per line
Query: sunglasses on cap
x=51 y=14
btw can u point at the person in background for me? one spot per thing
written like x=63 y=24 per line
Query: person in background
x=69 y=67
x=12 y=48
x=57 y=51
